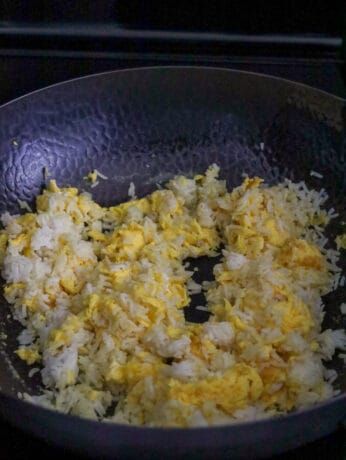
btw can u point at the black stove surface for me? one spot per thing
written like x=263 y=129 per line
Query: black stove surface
x=25 y=71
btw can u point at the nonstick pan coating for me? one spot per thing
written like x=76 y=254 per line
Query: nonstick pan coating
x=144 y=126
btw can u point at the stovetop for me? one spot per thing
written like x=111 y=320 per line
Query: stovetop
x=25 y=70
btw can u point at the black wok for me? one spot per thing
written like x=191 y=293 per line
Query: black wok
x=145 y=126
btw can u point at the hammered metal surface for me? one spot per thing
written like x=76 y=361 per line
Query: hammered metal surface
x=147 y=125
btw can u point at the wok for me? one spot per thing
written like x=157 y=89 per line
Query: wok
x=146 y=125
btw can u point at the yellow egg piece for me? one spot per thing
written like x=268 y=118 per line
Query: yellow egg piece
x=28 y=354
x=236 y=388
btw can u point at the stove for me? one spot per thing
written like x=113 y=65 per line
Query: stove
x=35 y=54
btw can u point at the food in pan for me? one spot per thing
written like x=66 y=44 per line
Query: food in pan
x=101 y=292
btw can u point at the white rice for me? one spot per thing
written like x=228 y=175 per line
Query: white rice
x=95 y=184
x=99 y=174
x=316 y=174
x=24 y=205
x=132 y=191
x=33 y=371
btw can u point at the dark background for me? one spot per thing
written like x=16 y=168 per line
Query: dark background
x=44 y=42
x=258 y=16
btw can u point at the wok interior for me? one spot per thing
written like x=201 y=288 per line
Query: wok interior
x=146 y=126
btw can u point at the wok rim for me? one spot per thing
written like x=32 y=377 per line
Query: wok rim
x=43 y=411
x=265 y=76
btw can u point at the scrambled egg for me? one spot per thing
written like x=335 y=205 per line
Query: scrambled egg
x=102 y=291
x=28 y=354
x=233 y=390
x=341 y=241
